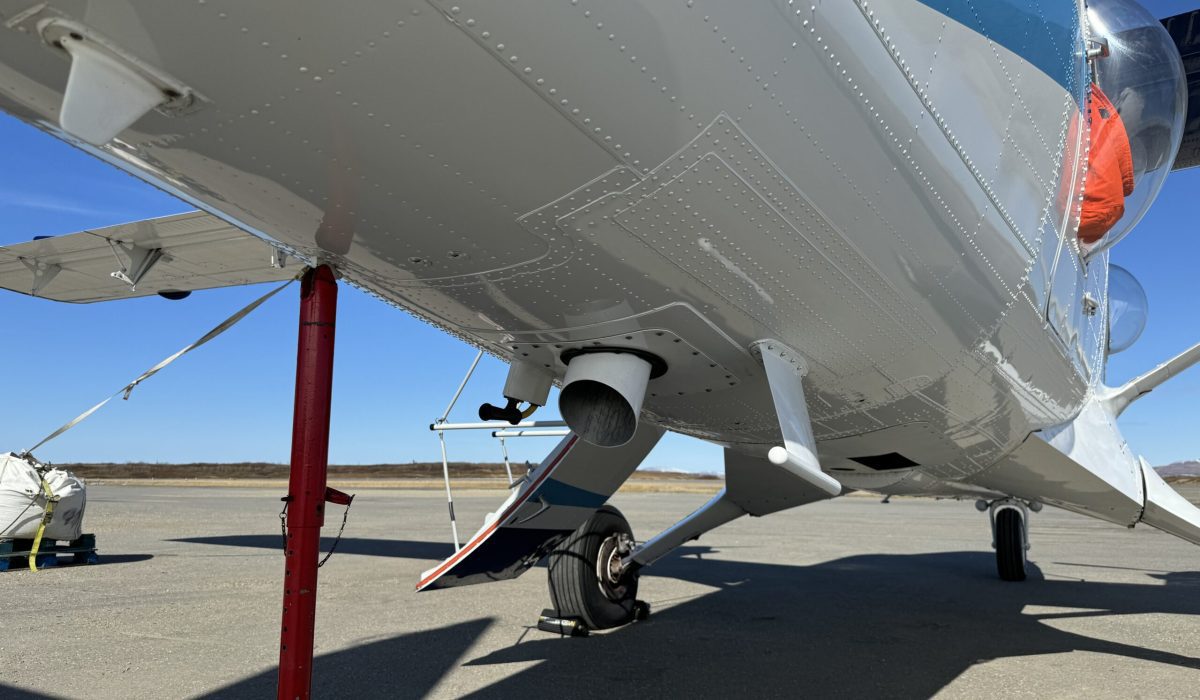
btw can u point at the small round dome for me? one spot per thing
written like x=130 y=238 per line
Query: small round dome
x=1128 y=309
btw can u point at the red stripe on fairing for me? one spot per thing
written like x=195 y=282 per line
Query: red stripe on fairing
x=473 y=544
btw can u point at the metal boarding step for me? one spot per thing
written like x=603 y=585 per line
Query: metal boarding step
x=544 y=506
x=500 y=431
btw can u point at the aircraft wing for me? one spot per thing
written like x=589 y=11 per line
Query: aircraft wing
x=170 y=255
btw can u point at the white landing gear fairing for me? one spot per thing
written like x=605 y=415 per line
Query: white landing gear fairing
x=556 y=498
x=753 y=486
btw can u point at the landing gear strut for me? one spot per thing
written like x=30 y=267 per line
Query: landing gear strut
x=589 y=581
x=1010 y=534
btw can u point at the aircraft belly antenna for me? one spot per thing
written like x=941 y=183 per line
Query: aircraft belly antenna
x=798 y=454
x=108 y=89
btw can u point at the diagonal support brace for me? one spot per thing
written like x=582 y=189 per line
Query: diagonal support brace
x=798 y=454
x=141 y=261
x=43 y=273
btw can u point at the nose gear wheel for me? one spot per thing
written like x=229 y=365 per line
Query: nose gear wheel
x=587 y=580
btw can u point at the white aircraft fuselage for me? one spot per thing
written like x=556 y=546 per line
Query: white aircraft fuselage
x=889 y=188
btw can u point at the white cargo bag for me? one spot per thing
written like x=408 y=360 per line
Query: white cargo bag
x=23 y=501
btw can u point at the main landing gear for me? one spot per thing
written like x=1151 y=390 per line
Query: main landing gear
x=590 y=586
x=1010 y=534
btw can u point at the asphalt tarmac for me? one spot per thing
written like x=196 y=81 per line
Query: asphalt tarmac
x=850 y=598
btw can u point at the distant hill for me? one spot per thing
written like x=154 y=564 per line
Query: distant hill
x=412 y=470
x=264 y=470
x=1188 y=468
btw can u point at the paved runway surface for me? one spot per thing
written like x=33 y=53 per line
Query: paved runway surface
x=849 y=598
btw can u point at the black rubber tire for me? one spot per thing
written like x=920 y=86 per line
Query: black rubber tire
x=1010 y=545
x=575 y=589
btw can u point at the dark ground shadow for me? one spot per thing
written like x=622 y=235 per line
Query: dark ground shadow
x=405 y=549
x=863 y=626
x=10 y=693
x=406 y=666
x=106 y=559
x=65 y=562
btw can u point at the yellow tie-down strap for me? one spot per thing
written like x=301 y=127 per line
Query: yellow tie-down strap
x=51 y=499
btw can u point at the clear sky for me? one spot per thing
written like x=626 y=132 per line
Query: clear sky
x=232 y=399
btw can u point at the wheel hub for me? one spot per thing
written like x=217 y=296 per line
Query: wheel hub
x=611 y=571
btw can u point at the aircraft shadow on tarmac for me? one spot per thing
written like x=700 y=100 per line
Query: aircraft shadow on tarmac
x=66 y=563
x=121 y=558
x=405 y=666
x=891 y=625
x=405 y=549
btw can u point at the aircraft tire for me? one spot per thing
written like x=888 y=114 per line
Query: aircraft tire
x=576 y=587
x=1010 y=545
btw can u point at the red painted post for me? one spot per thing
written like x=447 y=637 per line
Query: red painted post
x=306 y=488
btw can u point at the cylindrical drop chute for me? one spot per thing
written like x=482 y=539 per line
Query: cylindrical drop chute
x=602 y=396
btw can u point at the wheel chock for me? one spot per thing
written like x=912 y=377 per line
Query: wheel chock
x=549 y=621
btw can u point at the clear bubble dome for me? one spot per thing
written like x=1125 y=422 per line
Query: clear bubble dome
x=1128 y=309
x=1143 y=77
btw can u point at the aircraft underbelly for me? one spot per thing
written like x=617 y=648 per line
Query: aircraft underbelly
x=878 y=188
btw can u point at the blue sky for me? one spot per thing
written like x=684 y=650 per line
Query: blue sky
x=232 y=400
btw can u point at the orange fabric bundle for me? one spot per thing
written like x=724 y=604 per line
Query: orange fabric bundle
x=1110 y=170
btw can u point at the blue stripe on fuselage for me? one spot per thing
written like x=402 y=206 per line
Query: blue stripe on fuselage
x=1043 y=32
x=558 y=493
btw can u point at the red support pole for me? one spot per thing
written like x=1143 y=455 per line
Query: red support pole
x=306 y=488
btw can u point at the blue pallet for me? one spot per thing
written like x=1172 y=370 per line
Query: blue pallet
x=82 y=551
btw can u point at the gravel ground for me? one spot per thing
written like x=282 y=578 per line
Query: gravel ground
x=846 y=598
